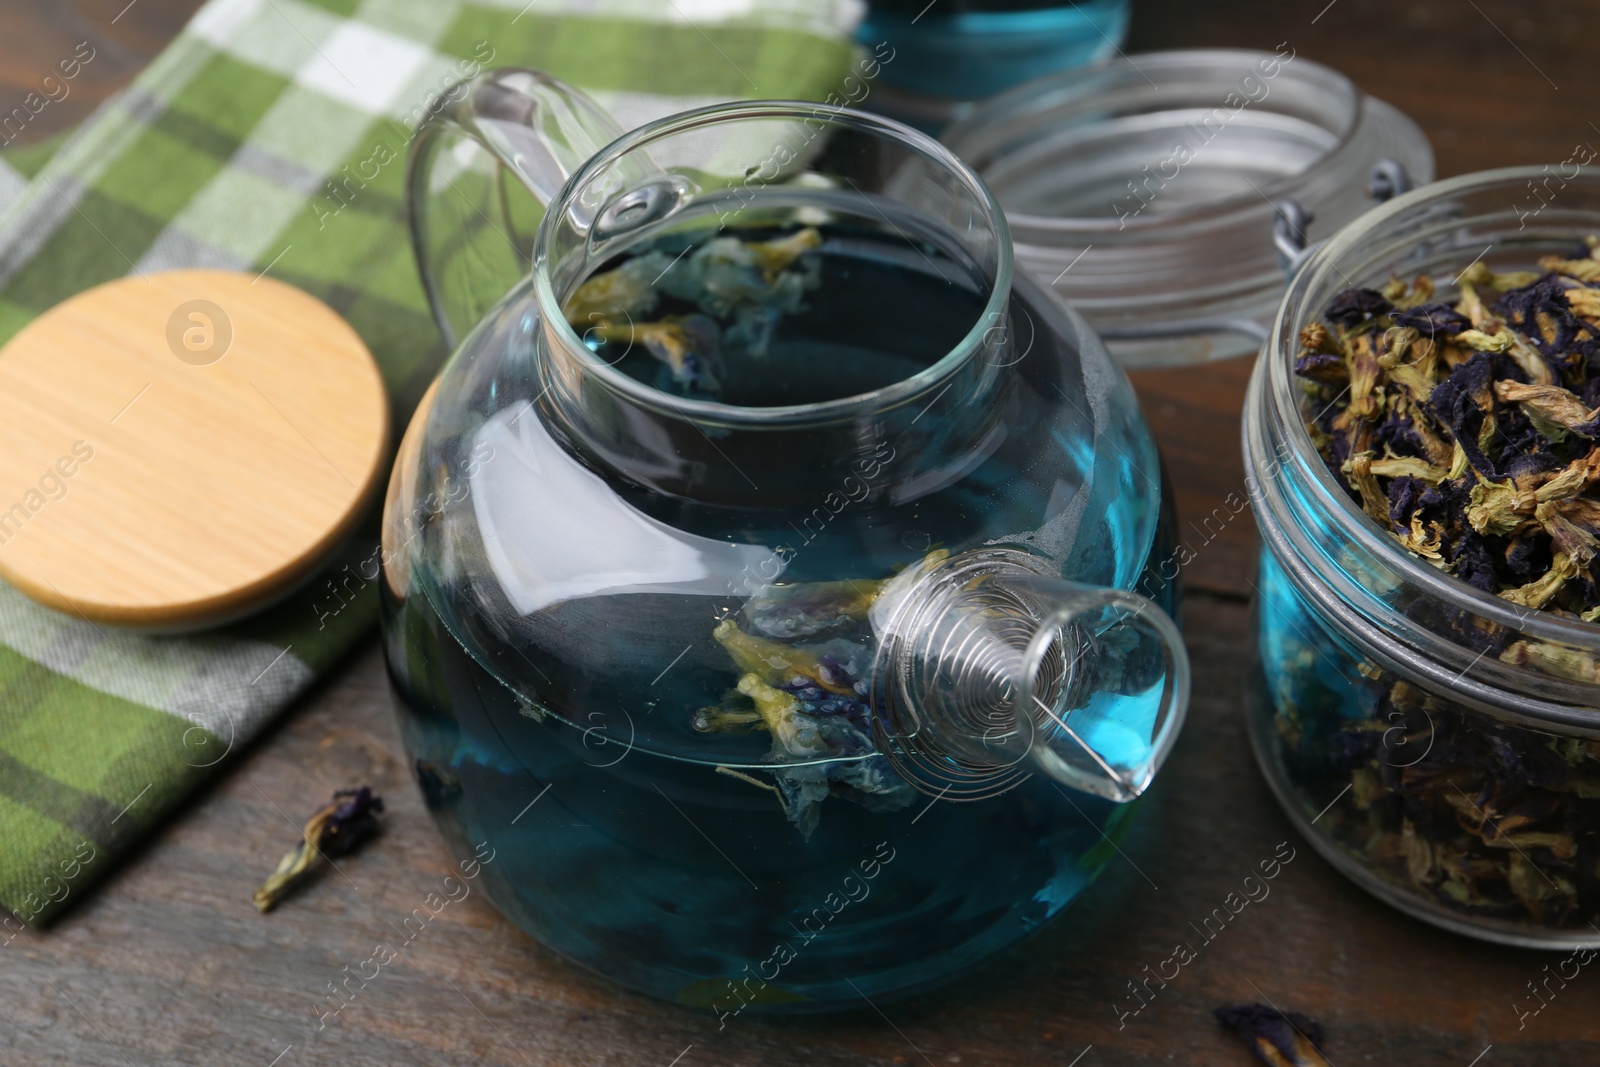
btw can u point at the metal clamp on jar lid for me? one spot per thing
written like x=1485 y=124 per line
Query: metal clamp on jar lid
x=1143 y=191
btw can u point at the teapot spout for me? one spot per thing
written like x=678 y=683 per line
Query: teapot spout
x=990 y=667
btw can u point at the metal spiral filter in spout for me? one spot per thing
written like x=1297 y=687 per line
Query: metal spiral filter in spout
x=990 y=668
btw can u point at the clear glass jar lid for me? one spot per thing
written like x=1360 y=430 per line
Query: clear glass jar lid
x=1145 y=191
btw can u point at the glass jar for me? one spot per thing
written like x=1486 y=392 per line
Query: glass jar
x=949 y=54
x=1144 y=190
x=1437 y=744
x=822 y=681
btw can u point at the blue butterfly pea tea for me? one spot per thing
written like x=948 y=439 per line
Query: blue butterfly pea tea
x=757 y=577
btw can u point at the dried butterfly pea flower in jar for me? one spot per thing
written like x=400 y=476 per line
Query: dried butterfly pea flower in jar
x=1421 y=437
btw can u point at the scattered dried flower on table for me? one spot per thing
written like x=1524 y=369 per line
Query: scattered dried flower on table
x=337 y=829
x=1274 y=1037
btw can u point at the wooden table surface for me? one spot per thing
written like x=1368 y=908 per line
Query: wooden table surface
x=166 y=961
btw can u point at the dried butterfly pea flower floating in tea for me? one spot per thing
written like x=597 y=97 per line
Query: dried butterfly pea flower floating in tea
x=805 y=307
x=1467 y=430
x=806 y=685
x=803 y=650
x=722 y=299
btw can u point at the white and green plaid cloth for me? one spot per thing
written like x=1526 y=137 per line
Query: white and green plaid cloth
x=220 y=155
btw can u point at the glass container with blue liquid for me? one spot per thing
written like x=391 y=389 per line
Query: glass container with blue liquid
x=758 y=571
x=952 y=52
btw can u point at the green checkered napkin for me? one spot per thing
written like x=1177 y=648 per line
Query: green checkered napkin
x=215 y=158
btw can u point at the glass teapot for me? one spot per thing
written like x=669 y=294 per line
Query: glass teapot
x=758 y=573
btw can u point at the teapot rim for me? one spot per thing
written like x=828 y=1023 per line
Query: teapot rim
x=711 y=412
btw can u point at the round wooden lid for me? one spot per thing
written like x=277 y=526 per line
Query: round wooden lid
x=183 y=448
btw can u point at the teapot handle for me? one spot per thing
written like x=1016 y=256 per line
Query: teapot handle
x=472 y=236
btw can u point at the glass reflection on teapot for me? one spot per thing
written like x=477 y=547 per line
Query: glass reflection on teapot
x=758 y=572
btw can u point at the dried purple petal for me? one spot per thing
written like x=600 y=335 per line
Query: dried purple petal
x=1433 y=321
x=1544 y=314
x=1282 y=1039
x=354 y=819
x=1465 y=403
x=1473 y=563
x=1397 y=435
x=1405 y=497
x=1325 y=367
x=1352 y=306
x=1537 y=765
x=1447 y=498
x=1527 y=556
x=1349 y=749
